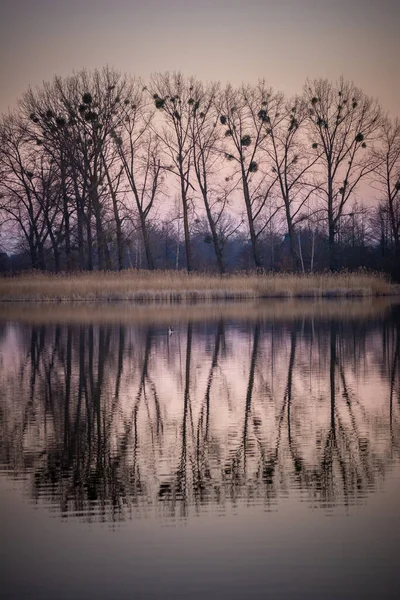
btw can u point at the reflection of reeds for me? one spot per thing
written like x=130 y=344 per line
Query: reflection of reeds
x=175 y=286
x=131 y=313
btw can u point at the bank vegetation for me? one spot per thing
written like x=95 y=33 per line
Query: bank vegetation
x=160 y=287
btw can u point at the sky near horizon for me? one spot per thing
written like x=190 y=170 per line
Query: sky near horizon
x=283 y=41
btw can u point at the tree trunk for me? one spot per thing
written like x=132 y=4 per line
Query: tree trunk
x=81 y=252
x=253 y=236
x=331 y=225
x=217 y=247
x=396 y=269
x=32 y=250
x=100 y=242
x=99 y=233
x=54 y=244
x=292 y=243
x=89 y=240
x=186 y=226
x=66 y=217
x=333 y=266
x=118 y=225
x=81 y=218
x=146 y=241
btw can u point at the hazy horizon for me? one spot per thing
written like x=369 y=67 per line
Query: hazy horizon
x=221 y=40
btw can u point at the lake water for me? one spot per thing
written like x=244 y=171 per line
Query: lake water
x=238 y=458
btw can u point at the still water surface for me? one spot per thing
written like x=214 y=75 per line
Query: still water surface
x=232 y=459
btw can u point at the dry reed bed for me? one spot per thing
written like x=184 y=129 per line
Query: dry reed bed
x=172 y=286
x=128 y=313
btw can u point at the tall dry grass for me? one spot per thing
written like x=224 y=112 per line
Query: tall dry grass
x=172 y=286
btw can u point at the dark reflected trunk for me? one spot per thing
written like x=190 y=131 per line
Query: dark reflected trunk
x=181 y=474
x=214 y=363
x=67 y=379
x=250 y=386
x=293 y=337
x=332 y=371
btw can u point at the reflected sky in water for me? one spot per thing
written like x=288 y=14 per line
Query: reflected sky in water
x=222 y=458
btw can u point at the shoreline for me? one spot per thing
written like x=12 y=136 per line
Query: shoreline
x=129 y=313
x=179 y=288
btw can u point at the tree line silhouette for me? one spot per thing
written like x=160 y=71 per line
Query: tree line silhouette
x=102 y=171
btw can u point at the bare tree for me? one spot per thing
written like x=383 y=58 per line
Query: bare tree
x=28 y=189
x=97 y=113
x=241 y=111
x=139 y=152
x=388 y=178
x=175 y=96
x=290 y=159
x=46 y=129
x=343 y=126
x=207 y=162
x=74 y=119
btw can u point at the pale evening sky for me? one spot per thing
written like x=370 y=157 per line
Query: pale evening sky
x=283 y=41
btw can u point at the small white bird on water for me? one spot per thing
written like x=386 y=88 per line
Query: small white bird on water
x=170 y=330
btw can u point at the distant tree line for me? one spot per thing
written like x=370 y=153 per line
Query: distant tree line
x=101 y=171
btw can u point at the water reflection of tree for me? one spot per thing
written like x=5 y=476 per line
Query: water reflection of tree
x=346 y=464
x=203 y=467
x=105 y=420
